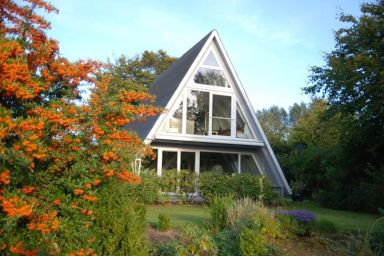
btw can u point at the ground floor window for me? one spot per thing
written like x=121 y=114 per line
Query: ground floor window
x=211 y=161
x=204 y=161
x=248 y=165
x=169 y=160
x=187 y=161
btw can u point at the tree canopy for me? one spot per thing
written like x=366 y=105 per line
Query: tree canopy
x=341 y=132
x=56 y=156
x=139 y=71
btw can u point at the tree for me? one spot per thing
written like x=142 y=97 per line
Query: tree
x=140 y=71
x=56 y=156
x=296 y=111
x=275 y=122
x=352 y=81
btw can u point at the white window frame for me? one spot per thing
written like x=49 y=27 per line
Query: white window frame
x=212 y=90
x=197 y=152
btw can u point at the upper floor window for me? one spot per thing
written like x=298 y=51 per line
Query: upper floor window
x=210 y=73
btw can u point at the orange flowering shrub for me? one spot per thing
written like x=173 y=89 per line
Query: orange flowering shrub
x=16 y=207
x=57 y=155
x=128 y=177
x=46 y=223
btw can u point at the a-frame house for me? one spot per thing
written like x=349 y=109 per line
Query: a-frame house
x=209 y=122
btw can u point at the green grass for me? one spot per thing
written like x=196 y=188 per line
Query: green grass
x=180 y=215
x=344 y=220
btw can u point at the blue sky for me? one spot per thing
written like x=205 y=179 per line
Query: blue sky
x=271 y=43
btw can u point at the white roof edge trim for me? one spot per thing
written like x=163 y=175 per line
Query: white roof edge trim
x=180 y=87
x=240 y=86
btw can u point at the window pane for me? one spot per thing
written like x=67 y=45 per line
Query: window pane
x=221 y=106
x=174 y=124
x=210 y=77
x=151 y=163
x=221 y=126
x=169 y=160
x=188 y=161
x=248 y=165
x=242 y=128
x=221 y=115
x=197 y=112
x=211 y=60
x=218 y=162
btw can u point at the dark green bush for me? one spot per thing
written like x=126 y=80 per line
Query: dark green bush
x=227 y=242
x=377 y=237
x=240 y=185
x=214 y=183
x=166 y=249
x=120 y=222
x=164 y=222
x=148 y=191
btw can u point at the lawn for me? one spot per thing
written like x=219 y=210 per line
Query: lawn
x=344 y=220
x=182 y=215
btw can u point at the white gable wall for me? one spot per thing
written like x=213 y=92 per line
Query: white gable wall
x=265 y=157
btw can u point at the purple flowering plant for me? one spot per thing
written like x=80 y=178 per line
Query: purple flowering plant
x=302 y=216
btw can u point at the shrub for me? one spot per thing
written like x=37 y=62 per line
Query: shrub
x=181 y=182
x=166 y=249
x=240 y=211
x=252 y=242
x=299 y=222
x=164 y=222
x=227 y=242
x=377 y=237
x=325 y=226
x=218 y=211
x=120 y=222
x=197 y=242
x=214 y=183
x=252 y=186
x=240 y=185
x=148 y=190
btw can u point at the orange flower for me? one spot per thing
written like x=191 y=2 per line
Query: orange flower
x=19 y=249
x=57 y=201
x=74 y=206
x=82 y=252
x=28 y=190
x=5 y=177
x=45 y=223
x=108 y=173
x=110 y=156
x=88 y=185
x=78 y=191
x=89 y=198
x=96 y=182
x=128 y=177
x=14 y=206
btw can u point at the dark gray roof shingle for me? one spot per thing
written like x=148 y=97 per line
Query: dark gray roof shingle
x=166 y=84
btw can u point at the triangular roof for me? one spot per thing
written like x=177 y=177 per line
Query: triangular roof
x=169 y=84
x=166 y=84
